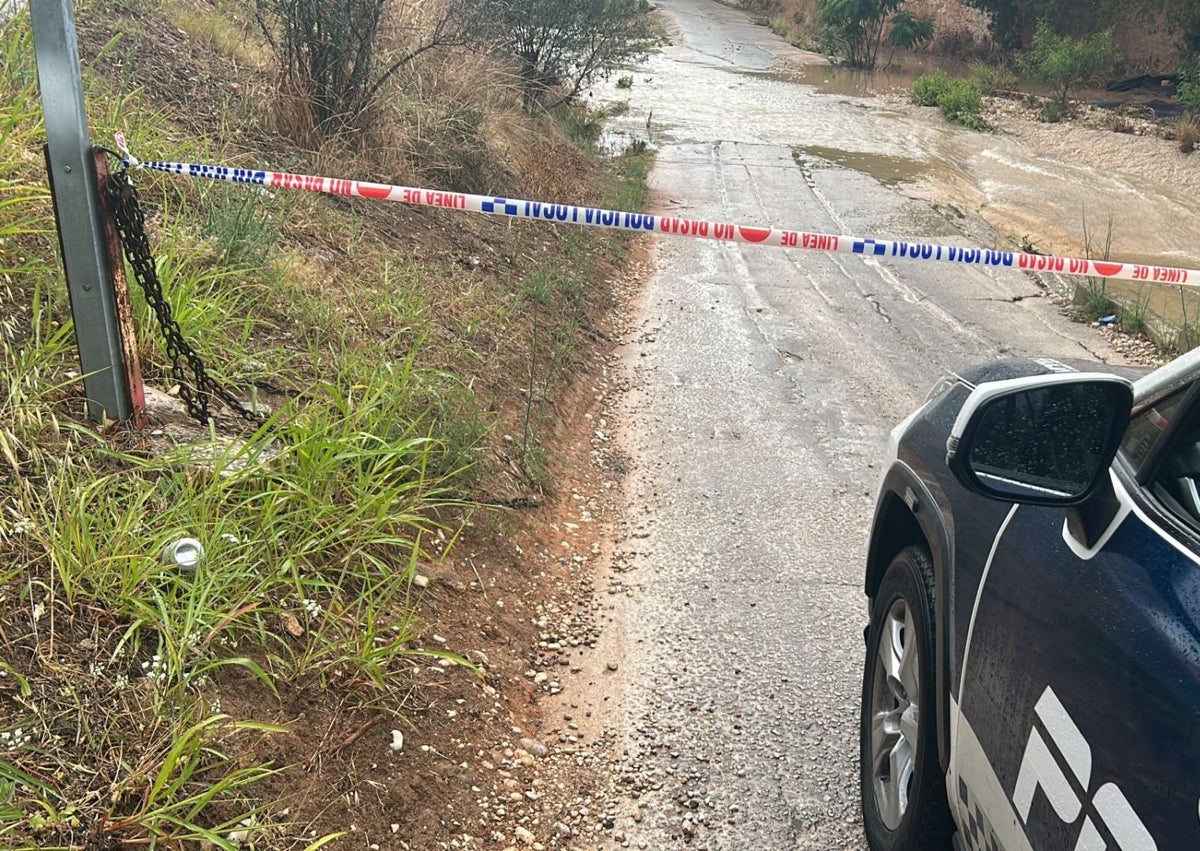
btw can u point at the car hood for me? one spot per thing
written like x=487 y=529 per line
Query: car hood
x=1002 y=370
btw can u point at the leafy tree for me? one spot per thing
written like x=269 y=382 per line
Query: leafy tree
x=1063 y=63
x=855 y=27
x=909 y=32
x=564 y=45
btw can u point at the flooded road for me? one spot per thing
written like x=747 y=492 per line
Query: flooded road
x=1047 y=182
x=763 y=383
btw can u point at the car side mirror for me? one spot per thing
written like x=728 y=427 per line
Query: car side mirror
x=1040 y=440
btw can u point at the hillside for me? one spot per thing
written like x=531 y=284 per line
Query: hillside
x=349 y=659
x=1147 y=41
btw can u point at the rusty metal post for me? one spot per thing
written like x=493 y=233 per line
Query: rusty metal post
x=120 y=286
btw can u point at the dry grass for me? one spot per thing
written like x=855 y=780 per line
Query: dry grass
x=1187 y=134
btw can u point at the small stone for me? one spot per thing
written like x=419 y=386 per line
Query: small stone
x=397 y=741
x=612 y=666
x=523 y=834
x=533 y=746
x=421 y=581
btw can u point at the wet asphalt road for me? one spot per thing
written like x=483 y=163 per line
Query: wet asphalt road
x=763 y=385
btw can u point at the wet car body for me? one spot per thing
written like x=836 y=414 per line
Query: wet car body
x=1052 y=697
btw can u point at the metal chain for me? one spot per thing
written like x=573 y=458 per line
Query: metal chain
x=131 y=228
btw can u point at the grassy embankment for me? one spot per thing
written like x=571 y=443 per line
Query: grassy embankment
x=397 y=348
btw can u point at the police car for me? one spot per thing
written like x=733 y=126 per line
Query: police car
x=1032 y=675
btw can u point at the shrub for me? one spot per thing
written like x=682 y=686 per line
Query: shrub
x=1189 y=93
x=332 y=54
x=961 y=103
x=1187 y=134
x=929 y=88
x=992 y=78
x=625 y=81
x=1063 y=63
x=1052 y=112
x=563 y=46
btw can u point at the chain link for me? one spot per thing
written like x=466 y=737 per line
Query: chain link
x=131 y=228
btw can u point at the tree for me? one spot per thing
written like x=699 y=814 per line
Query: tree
x=563 y=46
x=854 y=28
x=909 y=32
x=1063 y=63
x=330 y=49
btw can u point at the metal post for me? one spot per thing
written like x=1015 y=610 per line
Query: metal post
x=76 y=205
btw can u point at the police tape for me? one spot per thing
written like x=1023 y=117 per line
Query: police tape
x=649 y=223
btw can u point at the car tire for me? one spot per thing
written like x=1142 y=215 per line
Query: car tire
x=903 y=787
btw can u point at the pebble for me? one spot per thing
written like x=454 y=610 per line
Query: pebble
x=533 y=746
x=524 y=834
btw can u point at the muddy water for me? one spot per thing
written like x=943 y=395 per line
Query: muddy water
x=1058 y=186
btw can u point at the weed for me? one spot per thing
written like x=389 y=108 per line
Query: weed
x=1187 y=133
x=625 y=81
x=992 y=78
x=1092 y=300
x=794 y=29
x=1188 y=336
x=581 y=124
x=1052 y=112
x=1133 y=313
x=929 y=88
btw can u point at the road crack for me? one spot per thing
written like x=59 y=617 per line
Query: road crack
x=1013 y=299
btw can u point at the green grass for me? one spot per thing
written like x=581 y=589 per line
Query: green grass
x=123 y=674
x=1092 y=299
x=1133 y=312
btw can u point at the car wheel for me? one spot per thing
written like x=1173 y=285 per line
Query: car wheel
x=903 y=787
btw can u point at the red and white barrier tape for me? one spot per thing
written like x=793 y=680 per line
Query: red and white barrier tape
x=649 y=223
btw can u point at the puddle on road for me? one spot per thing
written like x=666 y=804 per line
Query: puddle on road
x=888 y=170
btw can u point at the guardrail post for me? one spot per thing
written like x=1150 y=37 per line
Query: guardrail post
x=72 y=175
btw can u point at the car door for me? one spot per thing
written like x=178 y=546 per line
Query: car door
x=1076 y=721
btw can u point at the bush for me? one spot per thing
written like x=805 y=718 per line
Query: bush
x=335 y=56
x=1189 y=93
x=929 y=88
x=961 y=103
x=992 y=78
x=1187 y=134
x=1064 y=63
x=1052 y=112
x=561 y=47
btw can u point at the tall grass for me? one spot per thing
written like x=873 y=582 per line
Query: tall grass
x=1092 y=299
x=123 y=676
x=115 y=663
